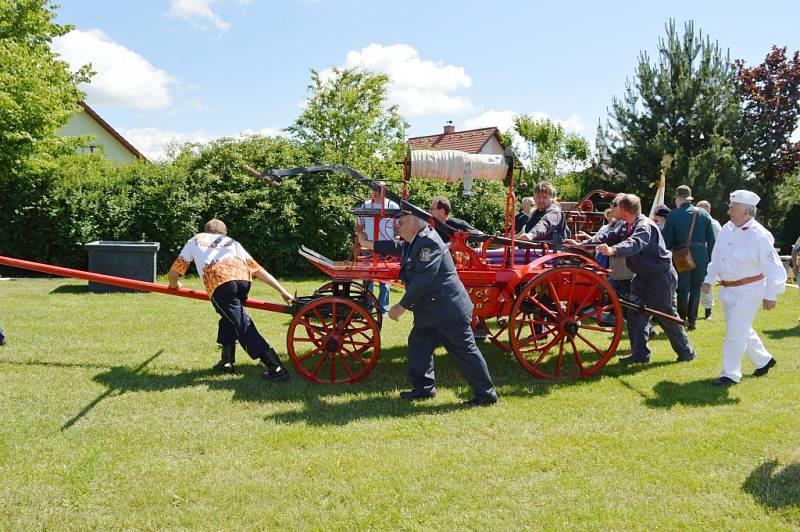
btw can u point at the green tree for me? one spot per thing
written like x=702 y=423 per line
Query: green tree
x=685 y=105
x=348 y=121
x=770 y=94
x=38 y=93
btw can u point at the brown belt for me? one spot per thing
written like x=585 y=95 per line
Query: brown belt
x=742 y=281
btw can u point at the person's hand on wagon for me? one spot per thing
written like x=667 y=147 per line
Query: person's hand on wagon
x=363 y=240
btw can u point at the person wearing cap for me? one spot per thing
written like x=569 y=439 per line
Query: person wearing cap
x=751 y=276
x=227 y=270
x=660 y=216
x=684 y=220
x=707 y=299
x=547 y=222
x=637 y=239
x=442 y=310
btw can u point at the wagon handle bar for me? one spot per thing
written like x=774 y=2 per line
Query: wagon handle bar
x=657 y=313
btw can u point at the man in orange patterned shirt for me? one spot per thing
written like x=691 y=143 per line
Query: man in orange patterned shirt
x=227 y=270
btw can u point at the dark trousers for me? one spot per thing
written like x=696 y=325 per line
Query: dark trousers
x=456 y=336
x=657 y=291
x=689 y=291
x=234 y=323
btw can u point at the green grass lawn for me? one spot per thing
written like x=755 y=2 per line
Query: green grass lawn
x=111 y=419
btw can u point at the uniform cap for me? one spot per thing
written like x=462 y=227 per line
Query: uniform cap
x=745 y=197
x=684 y=191
x=663 y=211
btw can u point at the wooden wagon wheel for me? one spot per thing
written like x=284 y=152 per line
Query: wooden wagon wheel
x=559 y=323
x=357 y=290
x=333 y=340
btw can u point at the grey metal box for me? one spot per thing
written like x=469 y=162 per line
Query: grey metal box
x=132 y=260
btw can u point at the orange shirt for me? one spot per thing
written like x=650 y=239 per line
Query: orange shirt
x=218 y=259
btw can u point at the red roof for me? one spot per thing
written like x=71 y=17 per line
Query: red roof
x=470 y=141
x=111 y=131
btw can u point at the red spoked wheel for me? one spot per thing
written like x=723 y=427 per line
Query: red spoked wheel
x=333 y=340
x=561 y=323
x=356 y=291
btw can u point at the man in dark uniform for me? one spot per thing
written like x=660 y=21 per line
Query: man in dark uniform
x=442 y=310
x=440 y=209
x=676 y=233
x=547 y=222
x=639 y=241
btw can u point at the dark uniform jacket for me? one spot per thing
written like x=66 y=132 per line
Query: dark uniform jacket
x=434 y=291
x=549 y=224
x=676 y=231
x=643 y=249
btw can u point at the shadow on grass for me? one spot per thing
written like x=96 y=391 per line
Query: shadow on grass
x=779 y=334
x=696 y=393
x=340 y=404
x=108 y=393
x=71 y=289
x=774 y=487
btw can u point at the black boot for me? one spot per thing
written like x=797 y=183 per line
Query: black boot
x=694 y=304
x=708 y=313
x=228 y=359
x=275 y=370
x=683 y=309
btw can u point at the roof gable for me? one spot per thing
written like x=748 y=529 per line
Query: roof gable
x=469 y=141
x=111 y=131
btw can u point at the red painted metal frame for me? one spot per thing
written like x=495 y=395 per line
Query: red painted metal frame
x=132 y=283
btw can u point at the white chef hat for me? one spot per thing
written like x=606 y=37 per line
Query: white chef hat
x=745 y=196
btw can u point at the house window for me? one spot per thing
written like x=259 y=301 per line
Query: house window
x=92 y=148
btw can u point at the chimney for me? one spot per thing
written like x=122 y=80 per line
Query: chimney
x=449 y=128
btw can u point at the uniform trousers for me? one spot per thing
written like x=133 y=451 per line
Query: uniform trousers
x=740 y=338
x=707 y=300
x=457 y=338
x=688 y=291
x=657 y=291
x=234 y=323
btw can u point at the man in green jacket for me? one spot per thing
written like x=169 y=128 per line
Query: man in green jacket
x=676 y=235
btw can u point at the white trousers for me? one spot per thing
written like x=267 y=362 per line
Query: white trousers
x=741 y=339
x=707 y=300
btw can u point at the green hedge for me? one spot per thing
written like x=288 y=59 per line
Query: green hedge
x=51 y=211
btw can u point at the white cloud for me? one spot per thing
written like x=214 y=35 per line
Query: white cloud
x=152 y=141
x=419 y=87
x=124 y=78
x=197 y=9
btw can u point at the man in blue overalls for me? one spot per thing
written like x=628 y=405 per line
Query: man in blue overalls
x=442 y=310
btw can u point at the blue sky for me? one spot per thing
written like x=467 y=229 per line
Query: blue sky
x=201 y=69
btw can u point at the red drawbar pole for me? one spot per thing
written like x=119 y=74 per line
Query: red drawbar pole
x=132 y=283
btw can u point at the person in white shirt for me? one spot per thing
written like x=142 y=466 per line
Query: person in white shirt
x=227 y=270
x=386 y=229
x=707 y=299
x=751 y=276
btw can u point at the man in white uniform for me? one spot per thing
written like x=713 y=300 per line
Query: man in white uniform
x=751 y=275
x=707 y=299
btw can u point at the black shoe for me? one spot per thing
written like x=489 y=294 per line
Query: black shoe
x=708 y=314
x=686 y=358
x=275 y=370
x=227 y=360
x=414 y=395
x=691 y=326
x=633 y=359
x=479 y=402
x=760 y=372
x=724 y=381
